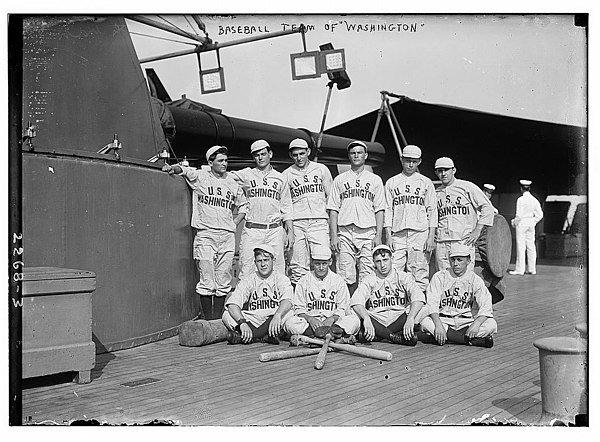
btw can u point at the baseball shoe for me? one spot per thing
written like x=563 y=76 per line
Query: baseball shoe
x=234 y=338
x=350 y=339
x=530 y=273
x=487 y=342
x=513 y=272
x=397 y=338
x=267 y=339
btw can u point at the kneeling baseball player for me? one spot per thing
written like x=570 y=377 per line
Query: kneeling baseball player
x=389 y=302
x=459 y=304
x=321 y=302
x=260 y=303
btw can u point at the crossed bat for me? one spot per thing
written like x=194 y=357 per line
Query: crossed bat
x=326 y=346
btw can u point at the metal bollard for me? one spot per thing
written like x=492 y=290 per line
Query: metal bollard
x=563 y=375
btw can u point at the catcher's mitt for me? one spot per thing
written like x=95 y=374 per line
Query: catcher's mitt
x=335 y=330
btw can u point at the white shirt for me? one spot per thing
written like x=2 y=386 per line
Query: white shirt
x=529 y=211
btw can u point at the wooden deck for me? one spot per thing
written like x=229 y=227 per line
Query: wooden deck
x=226 y=385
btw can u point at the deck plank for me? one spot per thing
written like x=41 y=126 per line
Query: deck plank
x=225 y=385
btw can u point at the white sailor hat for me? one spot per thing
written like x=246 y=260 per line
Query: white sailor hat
x=258 y=145
x=212 y=150
x=411 y=151
x=381 y=247
x=298 y=143
x=525 y=182
x=356 y=143
x=459 y=250
x=489 y=187
x=444 y=163
x=265 y=248
x=321 y=253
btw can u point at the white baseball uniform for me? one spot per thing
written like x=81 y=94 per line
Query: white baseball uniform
x=529 y=213
x=213 y=201
x=269 y=205
x=356 y=197
x=309 y=188
x=388 y=298
x=459 y=300
x=411 y=211
x=461 y=206
x=259 y=298
x=320 y=298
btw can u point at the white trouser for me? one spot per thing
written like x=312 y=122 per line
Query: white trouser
x=213 y=253
x=253 y=318
x=308 y=233
x=409 y=255
x=525 y=243
x=355 y=248
x=252 y=237
x=488 y=328
x=442 y=249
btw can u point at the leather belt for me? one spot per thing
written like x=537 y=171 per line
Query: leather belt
x=262 y=226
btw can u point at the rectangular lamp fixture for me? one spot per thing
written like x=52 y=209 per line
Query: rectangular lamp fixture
x=333 y=60
x=212 y=80
x=305 y=65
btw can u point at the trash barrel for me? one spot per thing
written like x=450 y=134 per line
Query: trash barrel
x=563 y=375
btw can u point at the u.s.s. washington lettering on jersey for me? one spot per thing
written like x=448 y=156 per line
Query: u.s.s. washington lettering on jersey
x=217 y=196
x=456 y=299
x=386 y=296
x=300 y=187
x=358 y=190
x=322 y=300
x=262 y=299
x=406 y=195
x=454 y=205
x=267 y=187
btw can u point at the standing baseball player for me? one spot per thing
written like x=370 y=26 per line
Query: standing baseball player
x=269 y=209
x=356 y=207
x=388 y=302
x=309 y=184
x=411 y=217
x=215 y=194
x=529 y=213
x=459 y=304
x=463 y=210
x=260 y=303
x=321 y=299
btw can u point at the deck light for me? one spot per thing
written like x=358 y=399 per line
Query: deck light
x=211 y=80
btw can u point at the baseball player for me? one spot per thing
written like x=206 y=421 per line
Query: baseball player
x=321 y=298
x=463 y=210
x=388 y=302
x=459 y=304
x=488 y=191
x=309 y=184
x=411 y=217
x=269 y=206
x=356 y=208
x=214 y=195
x=260 y=303
x=529 y=213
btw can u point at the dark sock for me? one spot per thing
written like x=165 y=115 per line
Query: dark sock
x=456 y=336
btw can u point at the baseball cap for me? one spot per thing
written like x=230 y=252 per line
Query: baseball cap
x=298 y=143
x=489 y=187
x=382 y=247
x=265 y=248
x=356 y=143
x=459 y=250
x=525 y=182
x=444 y=163
x=321 y=253
x=258 y=145
x=212 y=150
x=411 y=151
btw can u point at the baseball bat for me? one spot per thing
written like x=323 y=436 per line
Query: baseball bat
x=367 y=352
x=320 y=362
x=288 y=354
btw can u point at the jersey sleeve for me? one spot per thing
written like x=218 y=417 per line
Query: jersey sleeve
x=431 y=205
x=285 y=286
x=414 y=291
x=483 y=205
x=360 y=295
x=333 y=201
x=343 y=296
x=434 y=292
x=327 y=181
x=299 y=298
x=190 y=175
x=287 y=211
x=379 y=203
x=387 y=219
x=240 y=294
x=483 y=299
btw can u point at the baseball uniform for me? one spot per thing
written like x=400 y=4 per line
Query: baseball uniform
x=356 y=197
x=411 y=211
x=213 y=200
x=259 y=298
x=388 y=298
x=320 y=298
x=459 y=300
x=529 y=213
x=309 y=188
x=269 y=205
x=461 y=206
